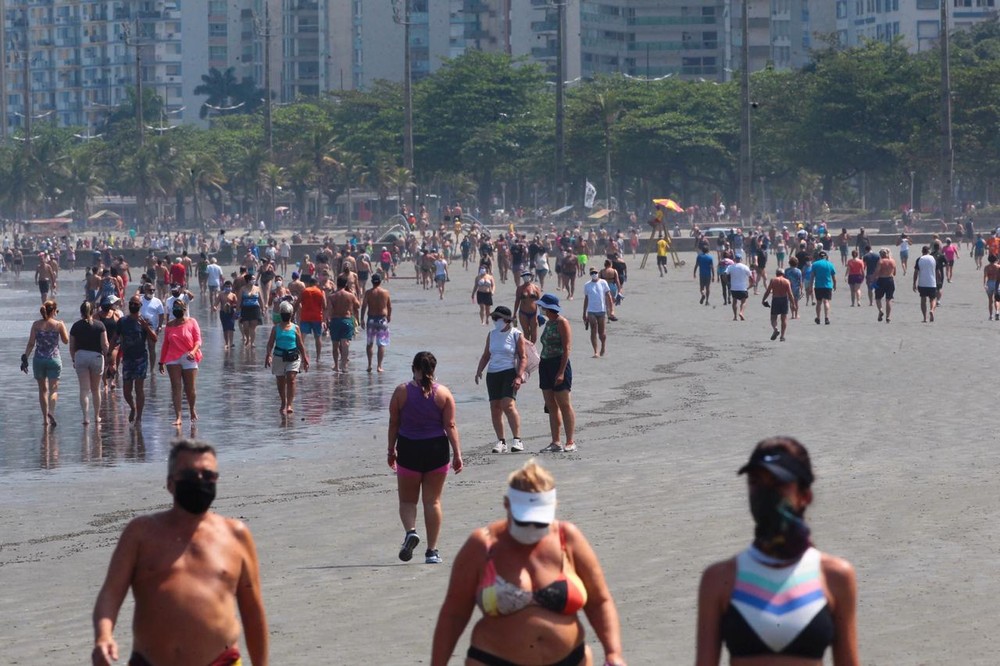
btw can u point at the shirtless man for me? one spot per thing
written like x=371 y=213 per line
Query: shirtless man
x=53 y=260
x=44 y=278
x=885 y=285
x=568 y=269
x=93 y=281
x=376 y=313
x=991 y=273
x=162 y=279
x=296 y=286
x=526 y=306
x=342 y=314
x=189 y=570
x=780 y=291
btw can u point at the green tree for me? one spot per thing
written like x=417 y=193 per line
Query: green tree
x=467 y=116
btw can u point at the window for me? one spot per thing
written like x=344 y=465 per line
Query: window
x=217 y=7
x=928 y=4
x=841 y=9
x=217 y=53
x=217 y=29
x=173 y=70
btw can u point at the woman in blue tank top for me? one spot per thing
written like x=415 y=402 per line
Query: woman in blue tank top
x=286 y=355
x=781 y=598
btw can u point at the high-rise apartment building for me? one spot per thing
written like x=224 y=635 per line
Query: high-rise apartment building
x=81 y=57
x=917 y=21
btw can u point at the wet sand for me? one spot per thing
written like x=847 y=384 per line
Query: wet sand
x=897 y=418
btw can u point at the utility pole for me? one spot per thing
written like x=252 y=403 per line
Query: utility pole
x=263 y=29
x=26 y=63
x=746 y=161
x=404 y=20
x=947 y=149
x=560 y=198
x=134 y=42
x=3 y=72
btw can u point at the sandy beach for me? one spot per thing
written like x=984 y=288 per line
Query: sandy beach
x=897 y=419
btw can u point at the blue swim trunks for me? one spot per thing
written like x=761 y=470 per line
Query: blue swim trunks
x=341 y=329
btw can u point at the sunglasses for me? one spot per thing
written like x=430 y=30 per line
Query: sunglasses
x=522 y=523
x=197 y=475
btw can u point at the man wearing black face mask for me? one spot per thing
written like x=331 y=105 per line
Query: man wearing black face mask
x=134 y=337
x=189 y=570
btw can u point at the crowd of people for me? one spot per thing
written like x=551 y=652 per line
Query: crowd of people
x=529 y=573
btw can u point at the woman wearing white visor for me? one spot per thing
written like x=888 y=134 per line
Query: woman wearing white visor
x=530 y=575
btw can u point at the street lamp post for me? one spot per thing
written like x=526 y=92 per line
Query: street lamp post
x=912 y=175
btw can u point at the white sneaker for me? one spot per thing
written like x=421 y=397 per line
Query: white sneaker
x=517 y=446
x=569 y=448
x=500 y=446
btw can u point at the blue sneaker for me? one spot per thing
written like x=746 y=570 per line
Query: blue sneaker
x=432 y=557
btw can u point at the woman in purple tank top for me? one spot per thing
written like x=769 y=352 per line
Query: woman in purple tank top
x=421 y=429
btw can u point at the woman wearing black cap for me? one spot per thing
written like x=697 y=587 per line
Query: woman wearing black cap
x=781 y=600
x=504 y=360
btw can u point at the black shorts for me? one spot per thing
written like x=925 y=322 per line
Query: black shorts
x=779 y=305
x=661 y=261
x=705 y=281
x=43 y=286
x=885 y=287
x=823 y=293
x=500 y=385
x=422 y=455
x=484 y=298
x=251 y=313
x=739 y=295
x=927 y=292
x=548 y=368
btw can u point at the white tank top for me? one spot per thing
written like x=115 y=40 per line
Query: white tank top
x=503 y=350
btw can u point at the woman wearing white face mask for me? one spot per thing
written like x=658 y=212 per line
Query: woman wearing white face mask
x=504 y=360
x=530 y=575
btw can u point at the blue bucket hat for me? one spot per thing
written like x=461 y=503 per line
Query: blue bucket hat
x=549 y=302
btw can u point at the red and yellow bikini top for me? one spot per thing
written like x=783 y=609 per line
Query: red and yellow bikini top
x=496 y=596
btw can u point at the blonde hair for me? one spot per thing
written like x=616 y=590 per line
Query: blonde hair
x=48 y=309
x=531 y=478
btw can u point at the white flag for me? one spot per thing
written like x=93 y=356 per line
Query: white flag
x=589 y=195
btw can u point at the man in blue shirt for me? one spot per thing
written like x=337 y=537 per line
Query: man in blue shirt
x=824 y=276
x=704 y=269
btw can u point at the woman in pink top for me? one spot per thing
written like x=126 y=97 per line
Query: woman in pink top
x=855 y=277
x=950 y=252
x=180 y=355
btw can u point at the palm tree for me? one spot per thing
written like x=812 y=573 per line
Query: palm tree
x=300 y=179
x=272 y=177
x=82 y=181
x=221 y=89
x=402 y=179
x=201 y=173
x=352 y=172
x=251 y=165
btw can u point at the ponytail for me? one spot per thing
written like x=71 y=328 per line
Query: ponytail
x=425 y=363
x=86 y=309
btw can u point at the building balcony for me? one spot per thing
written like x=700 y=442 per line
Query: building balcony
x=544 y=52
x=544 y=26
